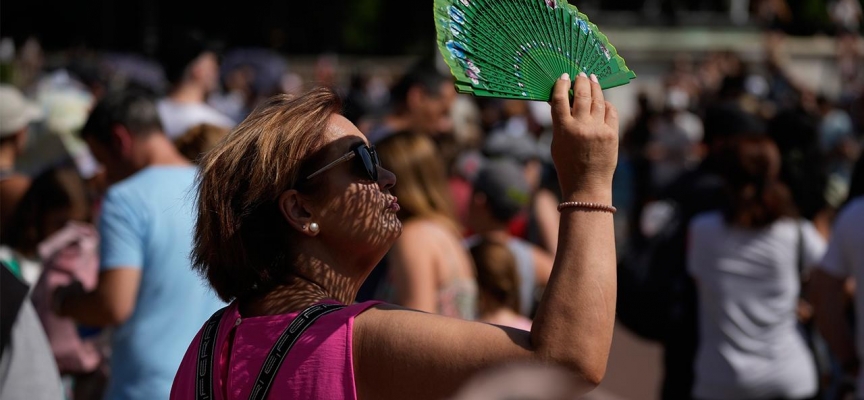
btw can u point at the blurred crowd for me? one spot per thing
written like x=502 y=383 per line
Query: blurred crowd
x=735 y=187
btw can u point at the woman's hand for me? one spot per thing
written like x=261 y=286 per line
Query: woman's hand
x=585 y=141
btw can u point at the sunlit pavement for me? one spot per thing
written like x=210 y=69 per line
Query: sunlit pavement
x=634 y=369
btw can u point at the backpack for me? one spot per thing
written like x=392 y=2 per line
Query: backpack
x=651 y=277
x=14 y=293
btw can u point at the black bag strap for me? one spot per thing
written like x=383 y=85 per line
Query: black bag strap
x=277 y=354
x=14 y=295
x=800 y=256
x=204 y=375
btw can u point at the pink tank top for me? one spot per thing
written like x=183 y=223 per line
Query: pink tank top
x=319 y=366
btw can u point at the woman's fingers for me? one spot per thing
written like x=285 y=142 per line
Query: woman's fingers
x=561 y=99
x=582 y=96
x=598 y=104
x=585 y=143
x=611 y=117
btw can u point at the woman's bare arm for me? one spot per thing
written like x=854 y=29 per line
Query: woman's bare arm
x=545 y=204
x=406 y=354
x=543 y=263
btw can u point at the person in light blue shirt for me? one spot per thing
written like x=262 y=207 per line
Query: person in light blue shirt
x=147 y=288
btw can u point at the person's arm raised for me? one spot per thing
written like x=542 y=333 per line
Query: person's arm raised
x=403 y=354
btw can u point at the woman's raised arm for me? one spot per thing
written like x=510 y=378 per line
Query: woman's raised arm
x=400 y=353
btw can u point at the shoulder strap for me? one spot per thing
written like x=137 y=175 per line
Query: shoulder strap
x=277 y=354
x=800 y=249
x=204 y=375
x=283 y=345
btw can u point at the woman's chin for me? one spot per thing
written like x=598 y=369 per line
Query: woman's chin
x=392 y=227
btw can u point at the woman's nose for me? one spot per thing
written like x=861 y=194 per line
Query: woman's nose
x=386 y=179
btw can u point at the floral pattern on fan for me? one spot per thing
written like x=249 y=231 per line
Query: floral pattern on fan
x=518 y=48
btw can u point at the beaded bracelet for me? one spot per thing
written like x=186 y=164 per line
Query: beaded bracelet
x=587 y=206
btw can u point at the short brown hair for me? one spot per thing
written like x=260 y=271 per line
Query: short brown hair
x=198 y=140
x=242 y=242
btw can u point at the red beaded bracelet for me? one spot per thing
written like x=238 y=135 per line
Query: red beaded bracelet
x=587 y=206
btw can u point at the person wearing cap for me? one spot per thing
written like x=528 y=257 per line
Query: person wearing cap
x=27 y=367
x=16 y=115
x=501 y=193
x=522 y=149
x=542 y=226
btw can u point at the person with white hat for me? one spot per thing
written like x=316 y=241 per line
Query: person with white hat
x=16 y=115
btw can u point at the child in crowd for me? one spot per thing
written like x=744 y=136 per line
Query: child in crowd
x=498 y=284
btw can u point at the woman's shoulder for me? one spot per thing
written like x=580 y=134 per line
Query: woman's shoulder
x=425 y=229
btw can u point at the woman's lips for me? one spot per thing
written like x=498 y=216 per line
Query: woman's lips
x=394 y=205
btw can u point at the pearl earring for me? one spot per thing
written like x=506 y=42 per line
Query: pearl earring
x=314 y=227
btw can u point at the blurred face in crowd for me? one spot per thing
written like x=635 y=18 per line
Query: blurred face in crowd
x=54 y=220
x=205 y=71
x=114 y=157
x=533 y=174
x=354 y=212
x=431 y=112
x=106 y=159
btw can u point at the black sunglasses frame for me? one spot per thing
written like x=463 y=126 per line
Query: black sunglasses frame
x=368 y=158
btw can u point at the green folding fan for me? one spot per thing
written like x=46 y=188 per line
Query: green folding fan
x=517 y=49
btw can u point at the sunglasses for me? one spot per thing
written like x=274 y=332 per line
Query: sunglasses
x=367 y=156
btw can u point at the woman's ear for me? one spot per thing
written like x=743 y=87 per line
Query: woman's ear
x=295 y=209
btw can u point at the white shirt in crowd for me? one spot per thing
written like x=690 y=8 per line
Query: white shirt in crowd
x=177 y=118
x=748 y=282
x=845 y=258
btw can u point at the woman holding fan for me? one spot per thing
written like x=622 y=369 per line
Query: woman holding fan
x=295 y=211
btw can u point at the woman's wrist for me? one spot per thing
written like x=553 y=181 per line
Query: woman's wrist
x=588 y=195
x=587 y=206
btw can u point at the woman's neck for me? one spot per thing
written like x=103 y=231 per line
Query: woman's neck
x=311 y=281
x=188 y=93
x=295 y=295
